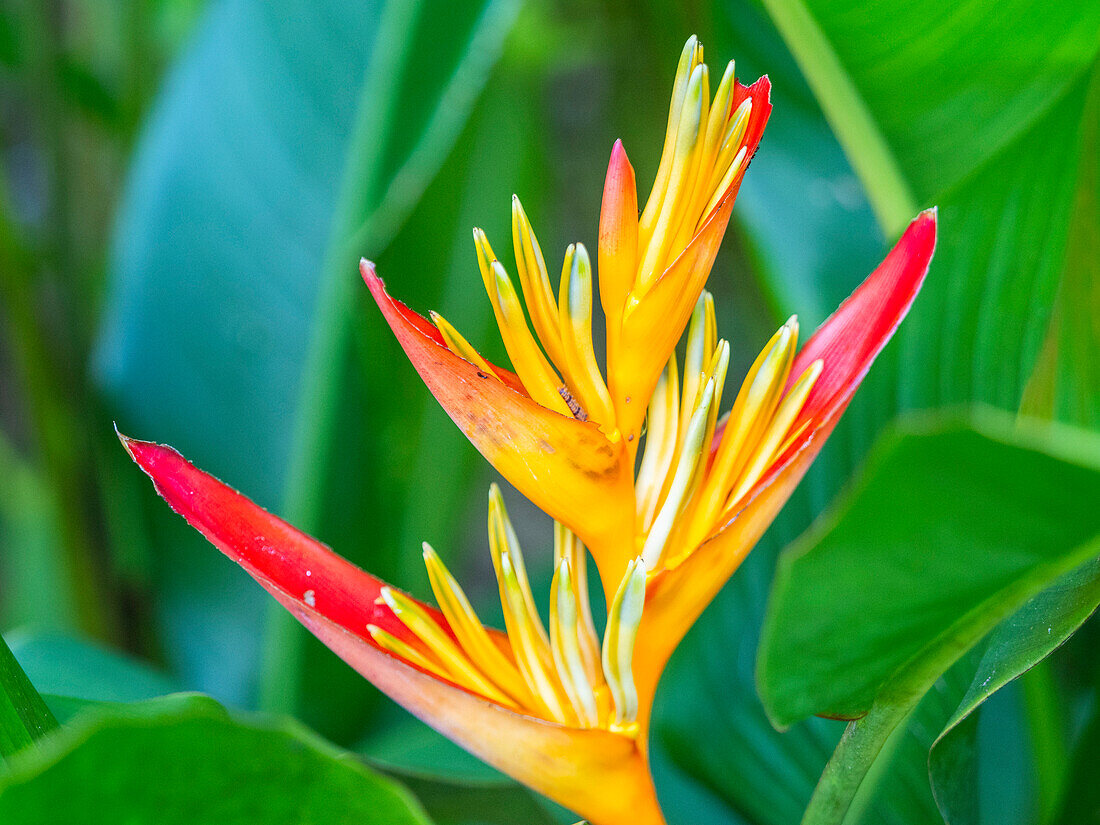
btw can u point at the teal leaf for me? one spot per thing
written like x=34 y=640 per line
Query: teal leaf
x=291 y=138
x=1018 y=644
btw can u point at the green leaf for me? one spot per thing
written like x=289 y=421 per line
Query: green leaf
x=1066 y=381
x=184 y=759
x=876 y=588
x=959 y=98
x=803 y=213
x=1018 y=644
x=920 y=97
x=24 y=717
x=292 y=138
x=878 y=600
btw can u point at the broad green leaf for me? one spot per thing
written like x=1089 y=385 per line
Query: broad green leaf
x=185 y=759
x=292 y=138
x=876 y=589
x=878 y=600
x=921 y=96
x=1066 y=381
x=24 y=717
x=1018 y=644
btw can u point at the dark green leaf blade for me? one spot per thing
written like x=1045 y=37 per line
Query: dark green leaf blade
x=949 y=529
x=24 y=717
x=184 y=759
x=1018 y=644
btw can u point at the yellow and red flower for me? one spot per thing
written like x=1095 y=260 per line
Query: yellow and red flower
x=558 y=707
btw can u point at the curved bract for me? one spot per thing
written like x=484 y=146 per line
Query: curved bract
x=556 y=704
x=558 y=462
x=337 y=602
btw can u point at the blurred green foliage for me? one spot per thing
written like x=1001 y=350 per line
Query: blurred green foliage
x=185 y=188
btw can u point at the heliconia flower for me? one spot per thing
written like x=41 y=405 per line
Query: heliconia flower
x=555 y=428
x=556 y=705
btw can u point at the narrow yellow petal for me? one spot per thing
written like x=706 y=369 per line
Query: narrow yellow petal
x=718 y=121
x=730 y=159
x=723 y=185
x=623 y=618
x=485 y=258
x=717 y=369
x=473 y=637
x=503 y=540
x=565 y=645
x=568 y=547
x=575 y=307
x=403 y=650
x=759 y=395
x=526 y=634
x=462 y=671
x=699 y=192
x=700 y=346
x=538 y=377
x=690 y=57
x=529 y=640
x=683 y=481
x=677 y=547
x=460 y=346
x=735 y=135
x=693 y=116
x=777 y=431
x=660 y=446
x=535 y=283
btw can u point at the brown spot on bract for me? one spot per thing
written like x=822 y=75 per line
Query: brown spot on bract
x=480 y=374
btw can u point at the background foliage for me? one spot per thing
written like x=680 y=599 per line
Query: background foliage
x=185 y=189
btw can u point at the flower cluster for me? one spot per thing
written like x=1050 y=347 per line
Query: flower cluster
x=556 y=705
